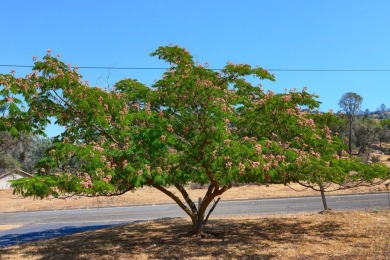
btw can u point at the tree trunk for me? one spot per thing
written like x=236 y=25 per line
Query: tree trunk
x=198 y=224
x=200 y=219
x=323 y=198
x=197 y=214
x=350 y=136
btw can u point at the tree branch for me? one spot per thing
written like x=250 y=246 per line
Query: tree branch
x=210 y=196
x=187 y=198
x=211 y=210
x=78 y=112
x=172 y=196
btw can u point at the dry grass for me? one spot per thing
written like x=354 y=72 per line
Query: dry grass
x=146 y=195
x=5 y=227
x=337 y=235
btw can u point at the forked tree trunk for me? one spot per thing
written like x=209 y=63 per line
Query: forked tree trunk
x=197 y=214
x=198 y=225
x=200 y=219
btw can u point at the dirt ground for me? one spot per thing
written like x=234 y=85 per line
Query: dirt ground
x=337 y=235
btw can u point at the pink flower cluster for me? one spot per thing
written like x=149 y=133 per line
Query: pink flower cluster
x=241 y=168
x=286 y=98
x=136 y=106
x=97 y=147
x=147 y=167
x=214 y=154
x=249 y=139
x=87 y=183
x=328 y=133
x=258 y=148
x=107 y=179
x=125 y=163
x=54 y=189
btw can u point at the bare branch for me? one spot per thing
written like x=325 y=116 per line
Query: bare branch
x=211 y=210
x=187 y=198
x=172 y=196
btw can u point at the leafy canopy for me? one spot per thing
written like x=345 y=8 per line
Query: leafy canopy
x=193 y=125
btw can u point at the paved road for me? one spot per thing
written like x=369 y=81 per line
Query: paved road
x=45 y=224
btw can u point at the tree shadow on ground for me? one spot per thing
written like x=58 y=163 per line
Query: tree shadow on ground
x=14 y=236
x=169 y=239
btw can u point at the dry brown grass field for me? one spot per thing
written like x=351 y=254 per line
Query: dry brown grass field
x=337 y=235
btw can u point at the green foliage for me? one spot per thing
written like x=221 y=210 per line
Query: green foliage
x=193 y=125
x=351 y=103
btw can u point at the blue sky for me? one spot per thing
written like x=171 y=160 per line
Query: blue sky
x=279 y=34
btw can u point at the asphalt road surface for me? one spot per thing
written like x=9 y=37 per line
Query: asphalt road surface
x=47 y=224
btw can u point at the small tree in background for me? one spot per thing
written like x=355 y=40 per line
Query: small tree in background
x=366 y=133
x=195 y=125
x=384 y=134
x=382 y=111
x=350 y=103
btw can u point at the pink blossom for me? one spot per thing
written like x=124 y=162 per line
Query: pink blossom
x=124 y=163
x=286 y=98
x=107 y=179
x=241 y=168
x=258 y=148
x=54 y=189
x=9 y=99
x=214 y=154
x=246 y=138
x=255 y=165
x=136 y=106
x=87 y=183
x=275 y=163
x=160 y=113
